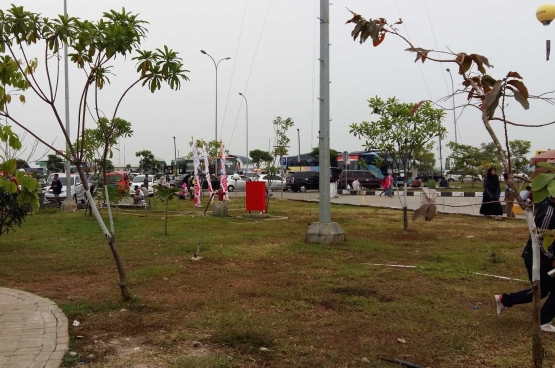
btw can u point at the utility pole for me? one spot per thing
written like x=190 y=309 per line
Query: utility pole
x=324 y=231
x=453 y=99
x=247 y=133
x=69 y=197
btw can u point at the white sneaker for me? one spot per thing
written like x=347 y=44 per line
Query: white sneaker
x=547 y=327
x=499 y=305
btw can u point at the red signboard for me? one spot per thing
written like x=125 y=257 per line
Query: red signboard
x=256 y=196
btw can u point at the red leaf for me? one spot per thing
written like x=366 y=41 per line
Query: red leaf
x=417 y=106
x=379 y=40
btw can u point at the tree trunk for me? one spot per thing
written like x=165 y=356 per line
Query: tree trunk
x=125 y=293
x=405 y=209
x=166 y=226
x=537 y=348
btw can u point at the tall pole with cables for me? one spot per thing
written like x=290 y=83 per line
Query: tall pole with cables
x=247 y=132
x=66 y=82
x=453 y=99
x=324 y=231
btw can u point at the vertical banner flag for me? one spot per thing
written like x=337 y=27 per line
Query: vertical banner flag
x=207 y=170
x=196 y=164
x=547 y=49
x=223 y=175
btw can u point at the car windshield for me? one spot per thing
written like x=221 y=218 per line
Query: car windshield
x=113 y=179
x=141 y=179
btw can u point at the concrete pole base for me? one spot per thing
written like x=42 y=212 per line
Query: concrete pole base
x=220 y=209
x=325 y=233
x=69 y=205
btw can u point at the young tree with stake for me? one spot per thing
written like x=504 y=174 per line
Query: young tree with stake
x=400 y=134
x=486 y=94
x=93 y=48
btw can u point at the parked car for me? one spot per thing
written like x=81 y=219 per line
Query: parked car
x=77 y=189
x=301 y=181
x=179 y=180
x=517 y=175
x=452 y=176
x=213 y=179
x=239 y=184
x=273 y=182
x=366 y=179
x=139 y=180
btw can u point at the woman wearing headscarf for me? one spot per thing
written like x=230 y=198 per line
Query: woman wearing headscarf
x=490 y=200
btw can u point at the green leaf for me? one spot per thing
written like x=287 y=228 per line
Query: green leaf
x=540 y=195
x=10 y=187
x=541 y=181
x=20 y=176
x=551 y=188
x=9 y=166
x=546 y=164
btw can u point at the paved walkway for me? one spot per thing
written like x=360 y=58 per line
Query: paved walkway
x=33 y=331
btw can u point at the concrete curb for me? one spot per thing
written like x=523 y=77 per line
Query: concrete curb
x=412 y=193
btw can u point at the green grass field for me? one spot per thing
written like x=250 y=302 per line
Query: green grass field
x=259 y=285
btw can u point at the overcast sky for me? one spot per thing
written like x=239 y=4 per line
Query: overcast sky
x=284 y=70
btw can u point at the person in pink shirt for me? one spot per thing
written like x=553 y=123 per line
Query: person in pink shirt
x=388 y=185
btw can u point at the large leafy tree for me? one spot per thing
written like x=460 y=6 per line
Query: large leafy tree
x=471 y=161
x=425 y=159
x=146 y=160
x=93 y=47
x=98 y=143
x=54 y=163
x=315 y=154
x=399 y=133
x=260 y=156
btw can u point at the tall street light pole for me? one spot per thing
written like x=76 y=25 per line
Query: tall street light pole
x=324 y=231
x=216 y=66
x=247 y=133
x=454 y=114
x=66 y=77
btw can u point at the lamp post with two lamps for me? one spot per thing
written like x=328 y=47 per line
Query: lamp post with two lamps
x=216 y=66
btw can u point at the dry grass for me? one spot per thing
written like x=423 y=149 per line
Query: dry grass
x=259 y=285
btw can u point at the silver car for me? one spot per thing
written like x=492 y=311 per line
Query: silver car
x=236 y=182
x=273 y=182
x=77 y=189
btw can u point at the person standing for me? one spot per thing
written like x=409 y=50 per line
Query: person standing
x=388 y=185
x=145 y=182
x=56 y=187
x=166 y=181
x=509 y=197
x=492 y=192
x=544 y=220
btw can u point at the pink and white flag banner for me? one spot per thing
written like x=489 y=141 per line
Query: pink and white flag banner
x=207 y=170
x=223 y=175
x=196 y=164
